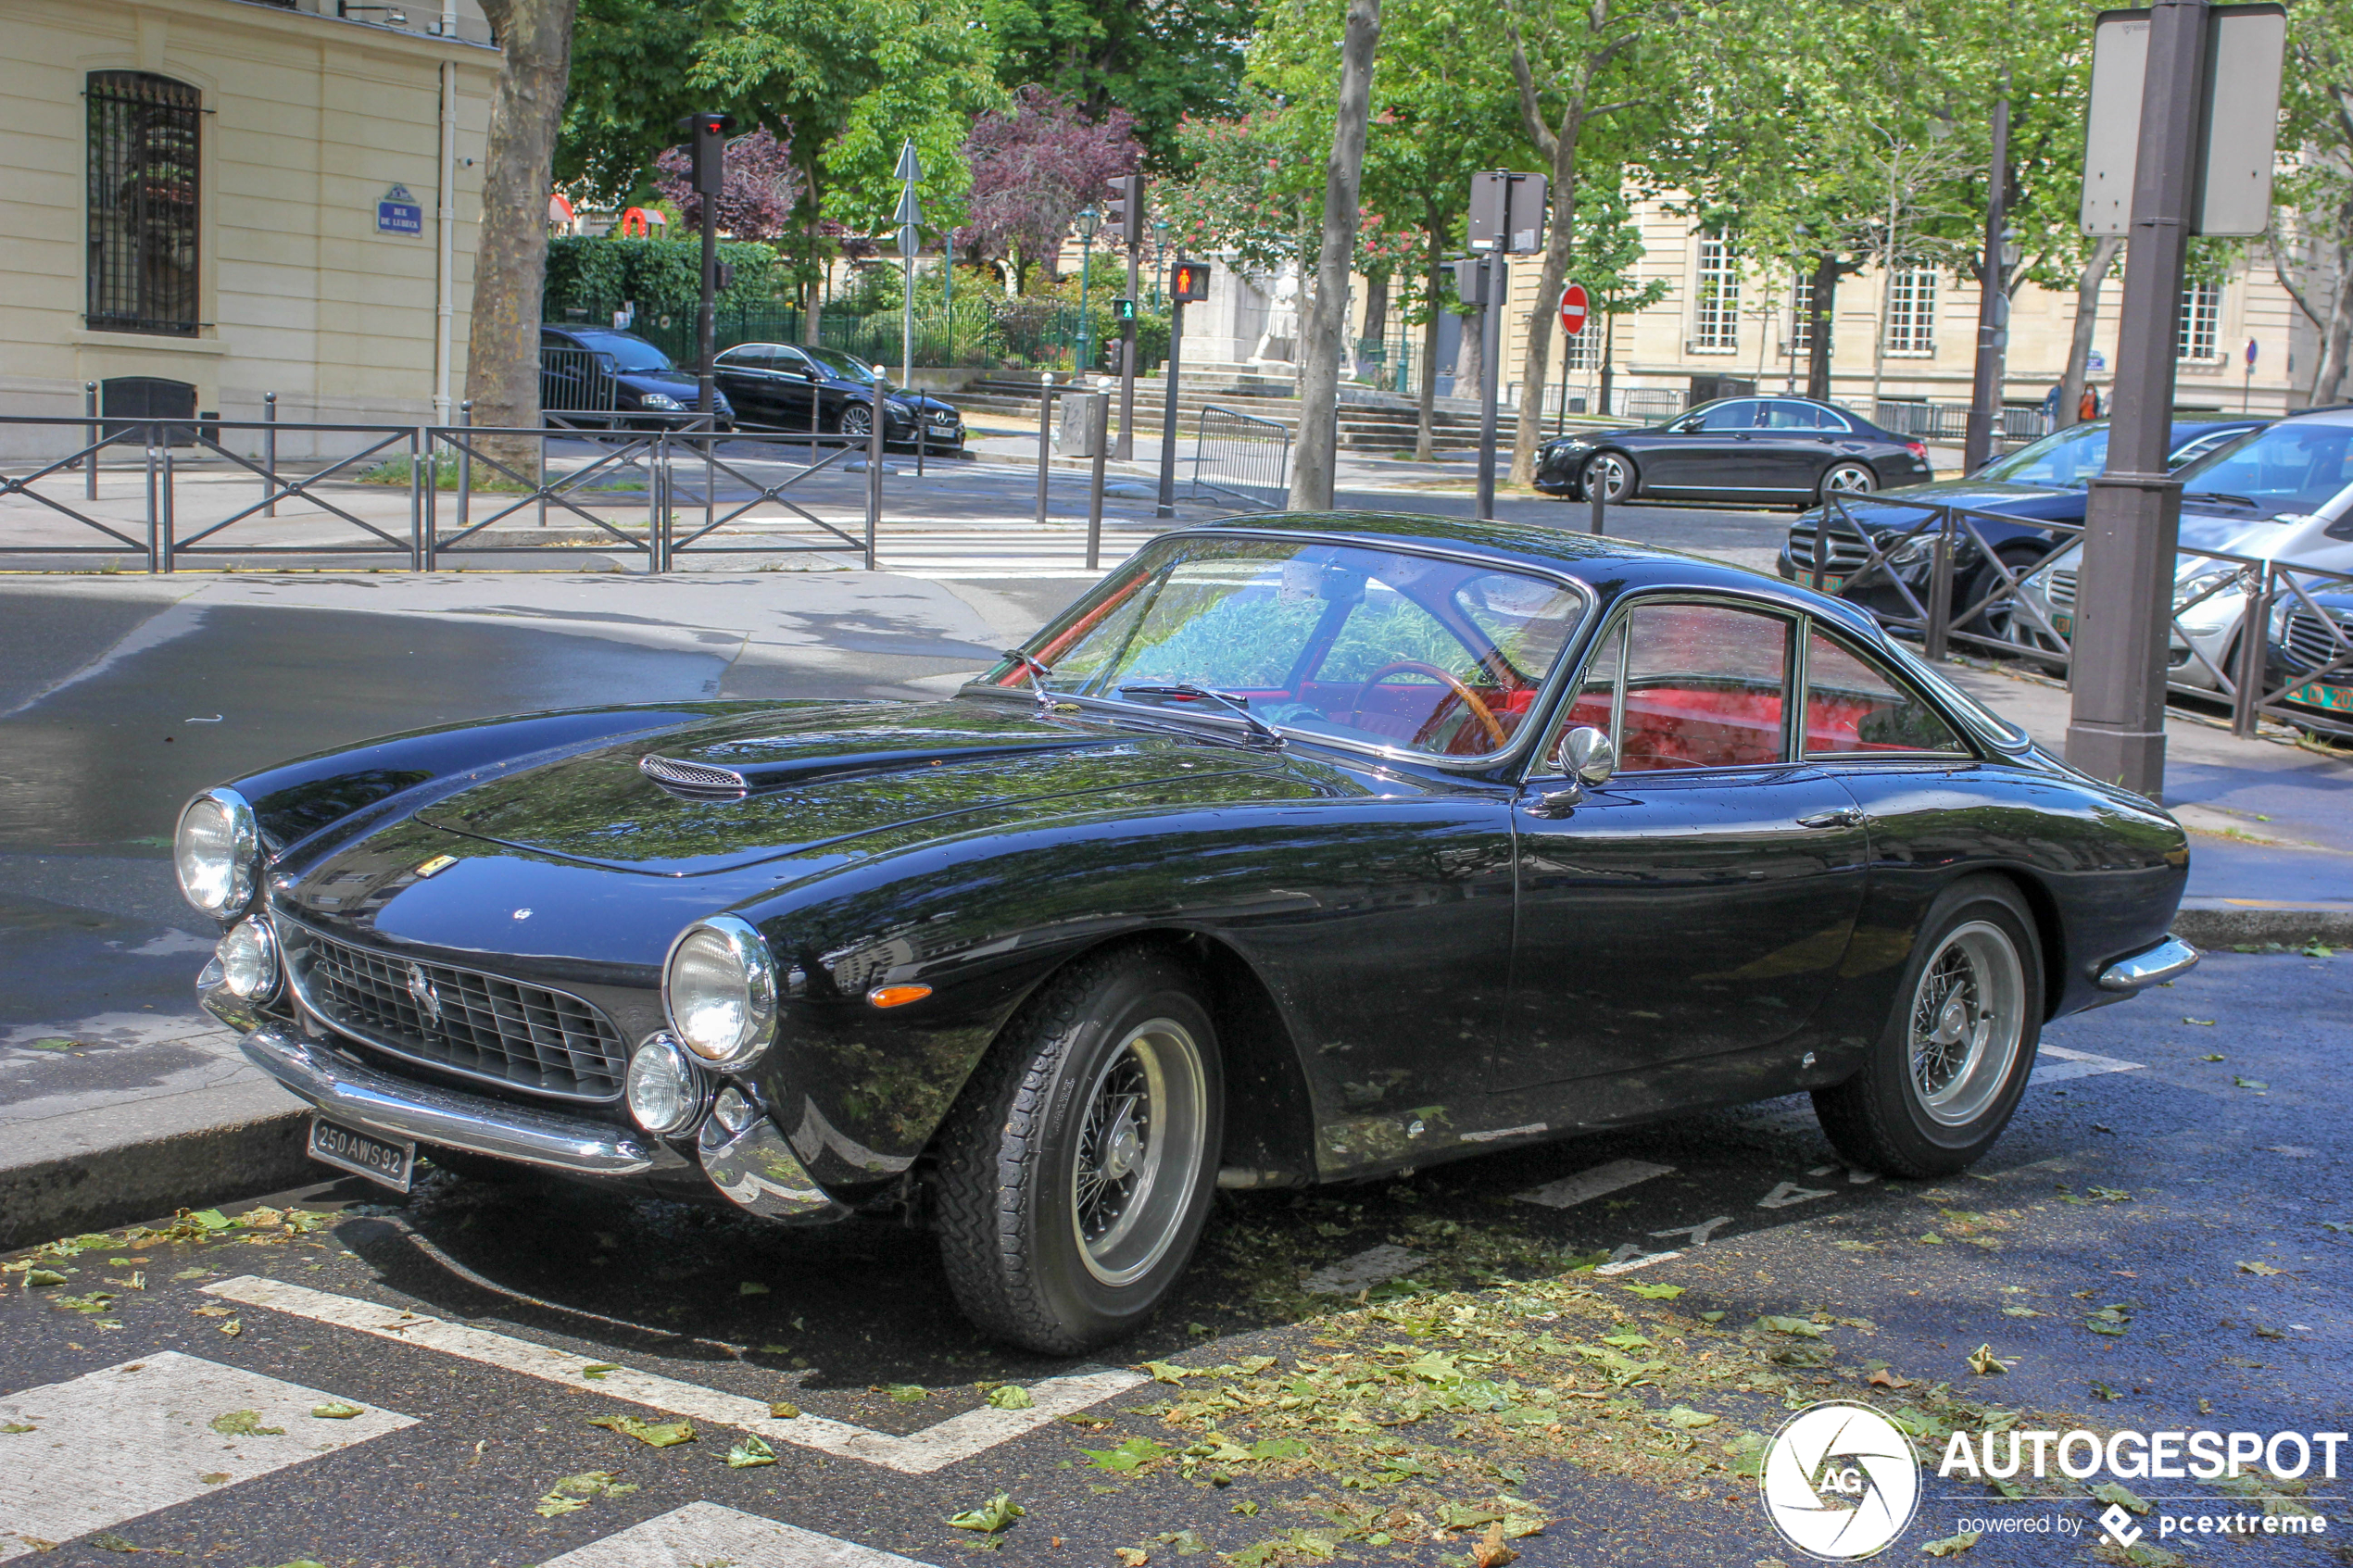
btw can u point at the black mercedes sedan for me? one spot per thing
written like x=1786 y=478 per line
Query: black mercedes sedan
x=1300 y=849
x=797 y=386
x=1757 y=449
x=593 y=374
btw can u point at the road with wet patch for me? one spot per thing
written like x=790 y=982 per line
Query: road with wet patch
x=1571 y=1353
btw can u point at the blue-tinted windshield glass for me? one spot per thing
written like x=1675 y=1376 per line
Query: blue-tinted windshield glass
x=629 y=353
x=2067 y=457
x=835 y=362
x=2296 y=467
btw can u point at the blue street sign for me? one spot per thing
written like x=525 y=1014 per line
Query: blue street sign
x=400 y=213
x=2250 y=355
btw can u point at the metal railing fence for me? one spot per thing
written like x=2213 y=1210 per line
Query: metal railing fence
x=1950 y=421
x=2025 y=610
x=1241 y=457
x=449 y=488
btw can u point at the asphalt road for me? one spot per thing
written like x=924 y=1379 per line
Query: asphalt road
x=2144 y=1188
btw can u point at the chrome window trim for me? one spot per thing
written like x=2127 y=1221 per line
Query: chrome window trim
x=1546 y=690
x=1847 y=758
x=293 y=984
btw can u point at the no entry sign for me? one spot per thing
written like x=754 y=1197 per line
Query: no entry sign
x=1573 y=309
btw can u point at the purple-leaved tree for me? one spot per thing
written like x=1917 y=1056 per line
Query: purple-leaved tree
x=1033 y=169
x=756 y=201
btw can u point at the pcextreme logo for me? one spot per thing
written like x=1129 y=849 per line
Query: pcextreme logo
x=1841 y=1481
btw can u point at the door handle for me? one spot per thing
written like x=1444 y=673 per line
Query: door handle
x=1843 y=817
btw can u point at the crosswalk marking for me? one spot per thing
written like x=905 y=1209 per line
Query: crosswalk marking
x=2076 y=1064
x=1586 y=1185
x=112 y=1445
x=916 y=1453
x=704 y=1533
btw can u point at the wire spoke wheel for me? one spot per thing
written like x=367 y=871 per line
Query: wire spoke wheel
x=1968 y=1017
x=1140 y=1151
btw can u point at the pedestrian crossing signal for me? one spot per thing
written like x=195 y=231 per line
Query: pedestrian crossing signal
x=1188 y=282
x=1123 y=310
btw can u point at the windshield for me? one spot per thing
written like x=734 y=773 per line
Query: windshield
x=1366 y=648
x=2069 y=458
x=2291 y=469
x=629 y=354
x=835 y=362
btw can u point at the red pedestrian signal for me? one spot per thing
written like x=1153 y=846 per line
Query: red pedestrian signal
x=1188 y=282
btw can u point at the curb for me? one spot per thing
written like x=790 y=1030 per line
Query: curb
x=101 y=1188
x=2220 y=925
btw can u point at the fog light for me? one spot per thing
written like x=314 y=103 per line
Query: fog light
x=733 y=1112
x=665 y=1092
x=248 y=958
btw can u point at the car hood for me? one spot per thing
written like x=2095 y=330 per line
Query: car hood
x=2037 y=501
x=823 y=776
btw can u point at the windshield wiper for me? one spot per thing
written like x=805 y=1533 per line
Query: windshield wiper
x=1237 y=705
x=2222 y=496
x=1036 y=670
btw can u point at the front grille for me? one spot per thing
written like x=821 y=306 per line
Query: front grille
x=2309 y=642
x=2058 y=588
x=698 y=780
x=524 y=1037
x=1848 y=552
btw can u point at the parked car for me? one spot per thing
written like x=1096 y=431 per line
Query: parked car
x=2283 y=494
x=1300 y=849
x=2311 y=657
x=795 y=386
x=590 y=371
x=1735 y=449
x=2045 y=482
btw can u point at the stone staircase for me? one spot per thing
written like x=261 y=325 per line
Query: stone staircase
x=1371 y=422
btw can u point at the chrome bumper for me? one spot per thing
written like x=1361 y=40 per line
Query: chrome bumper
x=351 y=1093
x=2159 y=964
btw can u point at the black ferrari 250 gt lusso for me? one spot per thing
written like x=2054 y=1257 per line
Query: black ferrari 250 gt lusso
x=1300 y=849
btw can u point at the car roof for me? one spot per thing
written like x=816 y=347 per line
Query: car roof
x=1610 y=567
x=2334 y=414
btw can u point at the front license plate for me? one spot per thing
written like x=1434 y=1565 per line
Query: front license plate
x=1832 y=581
x=2337 y=698
x=2063 y=624
x=378 y=1159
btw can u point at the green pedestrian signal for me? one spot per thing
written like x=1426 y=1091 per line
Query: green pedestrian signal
x=1123 y=310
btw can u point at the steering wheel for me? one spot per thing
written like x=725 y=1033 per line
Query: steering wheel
x=1478 y=709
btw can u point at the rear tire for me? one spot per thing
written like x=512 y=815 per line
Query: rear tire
x=1850 y=479
x=1076 y=1169
x=1949 y=1069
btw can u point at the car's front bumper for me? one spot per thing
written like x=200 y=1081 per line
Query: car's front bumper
x=2155 y=966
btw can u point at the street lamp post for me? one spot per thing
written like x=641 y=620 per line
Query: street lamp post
x=1089 y=220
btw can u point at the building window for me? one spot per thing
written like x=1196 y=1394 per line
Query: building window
x=1801 y=318
x=143 y=203
x=1911 y=310
x=1716 y=326
x=1584 y=352
x=2201 y=322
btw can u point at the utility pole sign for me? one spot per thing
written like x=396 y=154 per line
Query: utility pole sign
x=1506 y=219
x=2184 y=105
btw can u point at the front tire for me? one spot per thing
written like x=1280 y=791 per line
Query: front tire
x=855 y=421
x=1612 y=473
x=1076 y=1169
x=1949 y=1070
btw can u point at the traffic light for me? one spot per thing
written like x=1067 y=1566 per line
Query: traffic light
x=1124 y=213
x=1188 y=282
x=1123 y=310
x=708 y=132
x=1470 y=281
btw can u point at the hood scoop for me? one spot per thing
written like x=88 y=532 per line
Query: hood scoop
x=706 y=781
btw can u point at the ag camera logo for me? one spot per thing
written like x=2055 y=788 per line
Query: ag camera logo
x=1841 y=1481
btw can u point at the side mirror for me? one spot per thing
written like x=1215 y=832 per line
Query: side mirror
x=1587 y=756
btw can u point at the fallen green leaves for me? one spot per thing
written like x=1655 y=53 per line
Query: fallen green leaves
x=1950 y=1546
x=995 y=1515
x=655 y=1435
x=1985 y=1363
x=244 y=1424
x=573 y=1492
x=2261 y=1268
x=1656 y=1292
x=750 y=1452
x=336 y=1410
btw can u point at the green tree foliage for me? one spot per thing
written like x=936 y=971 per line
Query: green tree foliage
x=2312 y=248
x=1160 y=62
x=632 y=81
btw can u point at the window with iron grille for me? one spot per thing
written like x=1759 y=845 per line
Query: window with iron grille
x=1716 y=324
x=1911 y=310
x=143 y=203
x=2201 y=322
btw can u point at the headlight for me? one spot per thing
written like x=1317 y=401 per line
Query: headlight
x=248 y=956
x=658 y=400
x=718 y=990
x=2194 y=581
x=665 y=1092
x=214 y=852
x=902 y=409
x=1912 y=551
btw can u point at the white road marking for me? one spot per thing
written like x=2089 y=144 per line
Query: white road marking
x=2076 y=1064
x=705 y=1533
x=112 y=1445
x=1586 y=1185
x=1367 y=1268
x=1784 y=1194
x=1630 y=1257
x=1699 y=1232
x=917 y=1453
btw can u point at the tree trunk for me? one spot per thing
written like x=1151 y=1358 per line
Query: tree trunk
x=2087 y=319
x=1470 y=354
x=1821 y=295
x=1325 y=323
x=510 y=247
x=1376 y=313
x=1609 y=353
x=2336 y=341
x=1425 y=449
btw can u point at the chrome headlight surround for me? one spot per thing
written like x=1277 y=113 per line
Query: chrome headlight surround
x=719 y=991
x=250 y=968
x=216 y=853
x=665 y=1092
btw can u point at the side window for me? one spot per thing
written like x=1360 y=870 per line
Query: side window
x=1704 y=688
x=1595 y=705
x=1854 y=710
x=1781 y=415
x=1738 y=415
